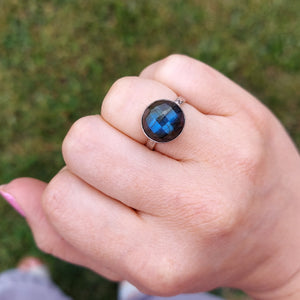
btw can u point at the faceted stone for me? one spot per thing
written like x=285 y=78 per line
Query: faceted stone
x=163 y=121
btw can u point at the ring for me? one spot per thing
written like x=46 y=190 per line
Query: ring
x=163 y=121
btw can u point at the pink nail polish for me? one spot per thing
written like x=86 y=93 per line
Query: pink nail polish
x=12 y=201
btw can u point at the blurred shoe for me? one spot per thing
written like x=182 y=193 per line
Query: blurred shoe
x=127 y=291
x=34 y=266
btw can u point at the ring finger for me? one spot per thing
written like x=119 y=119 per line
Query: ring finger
x=126 y=101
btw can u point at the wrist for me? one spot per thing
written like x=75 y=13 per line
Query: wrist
x=282 y=269
x=277 y=277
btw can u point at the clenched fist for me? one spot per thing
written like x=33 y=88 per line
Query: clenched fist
x=218 y=206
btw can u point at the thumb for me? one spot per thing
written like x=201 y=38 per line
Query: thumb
x=24 y=195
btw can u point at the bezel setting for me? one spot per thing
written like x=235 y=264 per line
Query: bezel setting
x=163 y=120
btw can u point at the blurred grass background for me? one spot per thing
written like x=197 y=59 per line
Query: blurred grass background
x=58 y=59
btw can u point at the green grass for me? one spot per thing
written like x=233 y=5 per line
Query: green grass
x=58 y=59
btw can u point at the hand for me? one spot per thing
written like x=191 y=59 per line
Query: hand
x=218 y=206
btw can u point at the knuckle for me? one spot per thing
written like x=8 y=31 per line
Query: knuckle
x=55 y=193
x=76 y=138
x=260 y=118
x=162 y=279
x=114 y=101
x=210 y=211
x=175 y=58
x=249 y=158
x=174 y=63
x=169 y=64
x=248 y=155
x=215 y=216
x=124 y=83
x=223 y=220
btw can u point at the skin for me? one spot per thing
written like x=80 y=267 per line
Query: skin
x=218 y=206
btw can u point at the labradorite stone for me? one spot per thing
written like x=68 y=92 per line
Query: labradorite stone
x=163 y=121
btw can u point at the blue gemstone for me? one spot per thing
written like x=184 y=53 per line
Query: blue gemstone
x=163 y=121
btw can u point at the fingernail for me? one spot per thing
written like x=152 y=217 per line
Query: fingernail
x=12 y=201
